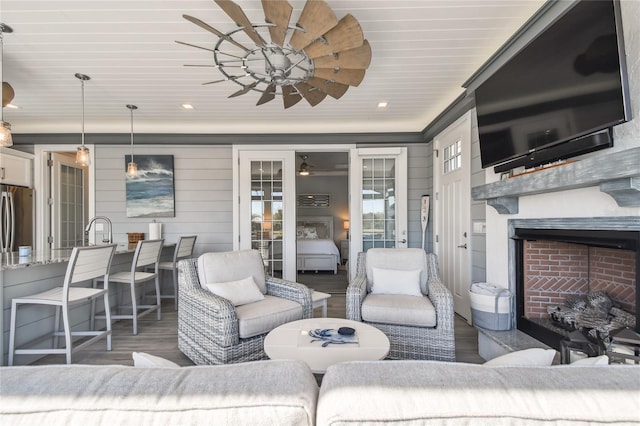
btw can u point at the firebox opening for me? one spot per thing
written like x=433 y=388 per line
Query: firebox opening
x=569 y=280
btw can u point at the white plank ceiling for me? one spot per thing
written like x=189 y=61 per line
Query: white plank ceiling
x=422 y=51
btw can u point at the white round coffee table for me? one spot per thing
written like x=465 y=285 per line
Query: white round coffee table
x=291 y=341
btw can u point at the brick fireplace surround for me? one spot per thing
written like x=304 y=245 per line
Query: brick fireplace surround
x=551 y=263
x=554 y=270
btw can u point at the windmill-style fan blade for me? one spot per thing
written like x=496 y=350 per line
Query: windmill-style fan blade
x=7 y=94
x=311 y=94
x=316 y=19
x=358 y=58
x=212 y=30
x=224 y=79
x=244 y=90
x=193 y=45
x=341 y=75
x=267 y=95
x=290 y=96
x=335 y=90
x=235 y=12
x=344 y=36
x=277 y=12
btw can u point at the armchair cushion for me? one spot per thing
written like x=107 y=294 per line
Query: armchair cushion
x=238 y=292
x=263 y=316
x=231 y=266
x=408 y=259
x=396 y=281
x=416 y=311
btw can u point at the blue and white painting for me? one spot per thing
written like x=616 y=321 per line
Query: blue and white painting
x=151 y=194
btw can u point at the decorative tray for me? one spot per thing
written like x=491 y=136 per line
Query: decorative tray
x=325 y=337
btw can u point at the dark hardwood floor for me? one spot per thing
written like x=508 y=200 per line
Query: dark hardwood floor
x=160 y=338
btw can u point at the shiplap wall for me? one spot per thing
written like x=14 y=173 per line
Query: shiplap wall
x=419 y=183
x=478 y=208
x=203 y=194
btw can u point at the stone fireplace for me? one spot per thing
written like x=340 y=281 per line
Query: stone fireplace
x=554 y=267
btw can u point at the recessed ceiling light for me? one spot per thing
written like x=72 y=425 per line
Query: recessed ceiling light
x=187 y=106
x=382 y=104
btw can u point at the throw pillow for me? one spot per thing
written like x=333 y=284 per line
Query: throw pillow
x=238 y=292
x=142 y=359
x=534 y=357
x=309 y=233
x=396 y=281
x=592 y=360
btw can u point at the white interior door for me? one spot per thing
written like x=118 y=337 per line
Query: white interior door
x=68 y=193
x=452 y=175
x=378 y=200
x=266 y=209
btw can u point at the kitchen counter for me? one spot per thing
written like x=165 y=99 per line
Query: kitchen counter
x=46 y=257
x=43 y=270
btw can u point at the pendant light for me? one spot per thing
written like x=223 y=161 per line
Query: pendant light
x=132 y=168
x=5 y=128
x=82 y=154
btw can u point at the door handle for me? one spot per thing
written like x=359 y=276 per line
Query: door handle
x=464 y=246
x=403 y=241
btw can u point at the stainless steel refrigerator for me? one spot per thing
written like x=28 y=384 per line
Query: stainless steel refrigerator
x=17 y=216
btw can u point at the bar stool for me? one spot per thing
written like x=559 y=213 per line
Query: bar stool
x=86 y=263
x=147 y=255
x=183 y=250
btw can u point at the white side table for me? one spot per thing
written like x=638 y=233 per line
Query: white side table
x=319 y=300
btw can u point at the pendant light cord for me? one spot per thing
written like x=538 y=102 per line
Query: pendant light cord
x=131 y=110
x=82 y=86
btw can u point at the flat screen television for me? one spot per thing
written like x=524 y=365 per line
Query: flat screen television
x=560 y=95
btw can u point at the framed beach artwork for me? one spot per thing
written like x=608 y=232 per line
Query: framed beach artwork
x=151 y=193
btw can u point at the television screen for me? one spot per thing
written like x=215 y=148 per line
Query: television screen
x=566 y=83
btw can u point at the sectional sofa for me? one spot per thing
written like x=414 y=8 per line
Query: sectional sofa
x=287 y=393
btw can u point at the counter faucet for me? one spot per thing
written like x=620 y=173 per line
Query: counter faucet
x=107 y=221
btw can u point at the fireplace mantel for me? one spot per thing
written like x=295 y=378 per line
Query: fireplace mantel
x=617 y=174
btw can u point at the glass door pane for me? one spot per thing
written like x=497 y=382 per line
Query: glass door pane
x=267 y=214
x=378 y=203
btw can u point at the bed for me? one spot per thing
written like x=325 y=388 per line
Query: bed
x=316 y=249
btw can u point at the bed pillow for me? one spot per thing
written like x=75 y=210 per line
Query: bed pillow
x=309 y=233
x=396 y=281
x=526 y=357
x=142 y=359
x=300 y=232
x=238 y=292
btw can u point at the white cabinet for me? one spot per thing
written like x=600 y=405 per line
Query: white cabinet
x=16 y=167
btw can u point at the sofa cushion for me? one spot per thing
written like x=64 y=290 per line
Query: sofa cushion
x=145 y=360
x=263 y=316
x=396 y=281
x=407 y=259
x=532 y=356
x=238 y=292
x=445 y=393
x=231 y=266
x=253 y=393
x=399 y=309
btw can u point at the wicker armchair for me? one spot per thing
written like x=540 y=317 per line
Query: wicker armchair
x=436 y=342
x=209 y=329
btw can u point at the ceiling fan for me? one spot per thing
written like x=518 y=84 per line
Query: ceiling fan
x=305 y=168
x=318 y=56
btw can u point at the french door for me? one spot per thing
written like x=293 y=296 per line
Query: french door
x=68 y=213
x=378 y=207
x=266 y=209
